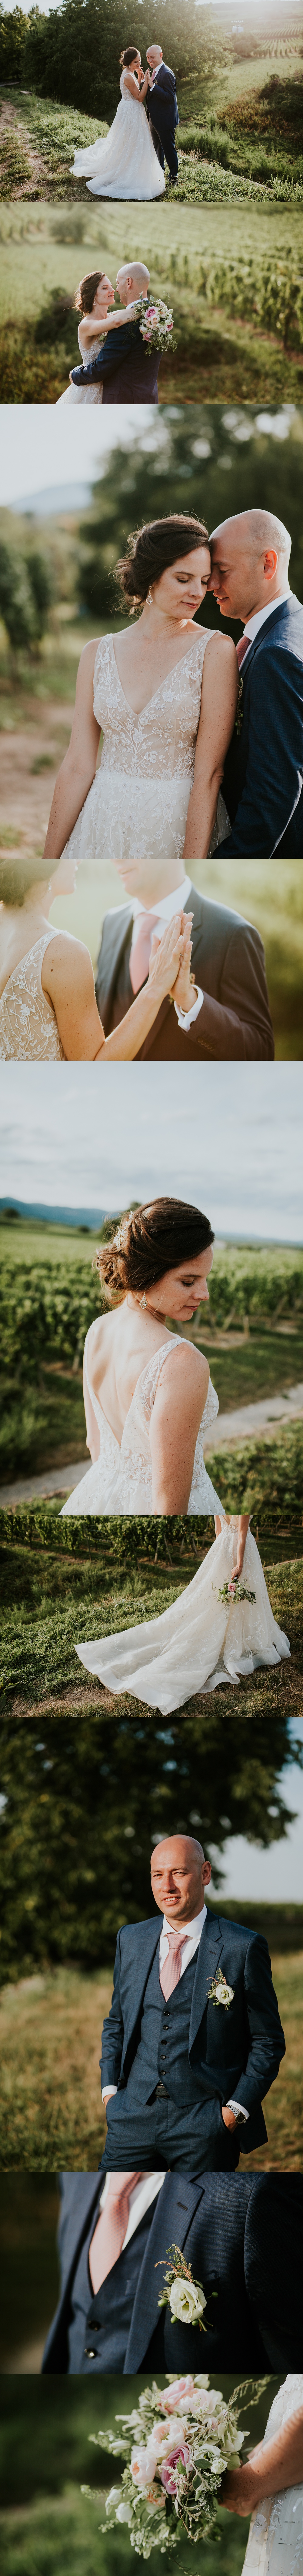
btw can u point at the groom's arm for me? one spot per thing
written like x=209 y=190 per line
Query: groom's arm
x=113 y=2032
x=274 y=774
x=239 y=1025
x=116 y=347
x=266 y=2037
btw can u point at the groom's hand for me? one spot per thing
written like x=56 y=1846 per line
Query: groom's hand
x=229 y=2118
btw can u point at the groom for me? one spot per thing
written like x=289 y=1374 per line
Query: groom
x=127 y=370
x=263 y=776
x=193 y=2039
x=227 y=2228
x=162 y=111
x=230 y=1009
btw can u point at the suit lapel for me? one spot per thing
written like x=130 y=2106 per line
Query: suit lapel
x=117 y=930
x=174 y=2211
x=209 y=1952
x=277 y=616
x=149 y=1937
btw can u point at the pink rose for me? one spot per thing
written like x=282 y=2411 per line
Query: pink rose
x=141 y=2467
x=180 y=2454
x=179 y=2388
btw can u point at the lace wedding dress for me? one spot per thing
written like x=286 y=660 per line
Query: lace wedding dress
x=138 y=801
x=28 y=1025
x=124 y=163
x=82 y=393
x=121 y=1478
x=275 y=2541
x=199 y=1642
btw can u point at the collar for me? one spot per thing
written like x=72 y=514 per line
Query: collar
x=169 y=903
x=252 y=625
x=189 y=1931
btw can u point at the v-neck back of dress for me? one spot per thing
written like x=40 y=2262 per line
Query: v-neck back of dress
x=120 y=1480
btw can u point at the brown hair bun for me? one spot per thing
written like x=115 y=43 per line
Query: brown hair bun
x=149 y=1241
x=153 y=549
x=86 y=291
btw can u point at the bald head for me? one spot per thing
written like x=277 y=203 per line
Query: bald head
x=132 y=280
x=179 y=1876
x=249 y=562
x=154 y=55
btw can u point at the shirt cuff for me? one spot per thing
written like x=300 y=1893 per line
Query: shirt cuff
x=185 y=1017
x=109 y=2088
x=237 y=2106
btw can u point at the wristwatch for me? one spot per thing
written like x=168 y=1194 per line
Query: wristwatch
x=238 y=2115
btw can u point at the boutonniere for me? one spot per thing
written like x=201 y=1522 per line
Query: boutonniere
x=220 y=1992
x=240 y=708
x=185 y=2297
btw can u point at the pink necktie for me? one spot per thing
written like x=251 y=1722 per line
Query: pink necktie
x=140 y=953
x=111 y=2227
x=242 y=648
x=169 y=1974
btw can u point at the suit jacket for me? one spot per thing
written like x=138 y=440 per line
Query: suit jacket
x=227 y=961
x=228 y=2226
x=234 y=2051
x=126 y=352
x=161 y=102
x=263 y=776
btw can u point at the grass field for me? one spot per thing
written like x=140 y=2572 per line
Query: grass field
x=237 y=301
x=238 y=137
x=52 y=2115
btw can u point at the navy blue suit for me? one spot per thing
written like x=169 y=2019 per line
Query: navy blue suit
x=263 y=776
x=162 y=111
x=123 y=359
x=230 y=2231
x=200 y=2052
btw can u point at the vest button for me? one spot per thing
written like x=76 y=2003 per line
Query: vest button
x=89 y=2356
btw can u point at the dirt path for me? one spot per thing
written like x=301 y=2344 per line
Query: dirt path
x=32 y=183
x=29 y=761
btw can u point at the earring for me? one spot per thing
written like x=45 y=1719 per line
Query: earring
x=143 y=1299
x=150 y=598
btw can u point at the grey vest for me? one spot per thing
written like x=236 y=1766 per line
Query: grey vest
x=162 y=2053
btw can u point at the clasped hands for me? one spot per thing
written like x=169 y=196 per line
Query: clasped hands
x=175 y=947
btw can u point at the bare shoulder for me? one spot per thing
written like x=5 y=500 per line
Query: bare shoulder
x=221 y=648
x=193 y=1369
x=65 y=952
x=87 y=663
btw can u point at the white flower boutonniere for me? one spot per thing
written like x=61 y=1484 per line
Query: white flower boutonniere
x=185 y=2297
x=220 y=1992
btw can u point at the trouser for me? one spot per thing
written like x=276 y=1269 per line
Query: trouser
x=163 y=2134
x=165 y=151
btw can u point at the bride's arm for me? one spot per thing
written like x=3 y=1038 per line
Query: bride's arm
x=175 y=1419
x=67 y=977
x=133 y=85
x=78 y=767
x=219 y=694
x=243 y=1527
x=273 y=2466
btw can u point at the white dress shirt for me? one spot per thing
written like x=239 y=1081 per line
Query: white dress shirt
x=192 y=1938
x=160 y=912
x=252 y=624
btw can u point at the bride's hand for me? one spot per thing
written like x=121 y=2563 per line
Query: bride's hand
x=165 y=957
x=239 y=2490
x=184 y=989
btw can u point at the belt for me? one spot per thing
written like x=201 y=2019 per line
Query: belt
x=161 y=2093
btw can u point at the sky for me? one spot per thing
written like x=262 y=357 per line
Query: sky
x=261 y=1877
x=41 y=447
x=81 y=1136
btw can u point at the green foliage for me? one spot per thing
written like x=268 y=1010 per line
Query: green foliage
x=26 y=594
x=267 y=1474
x=191 y=456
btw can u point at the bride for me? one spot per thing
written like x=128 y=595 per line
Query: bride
x=270 y=2488
x=125 y=163
x=92 y=299
x=165 y=695
x=47 y=994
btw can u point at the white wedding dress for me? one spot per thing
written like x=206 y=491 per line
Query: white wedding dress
x=28 y=1025
x=198 y=1643
x=275 y=2541
x=123 y=163
x=84 y=393
x=138 y=801
x=121 y=1479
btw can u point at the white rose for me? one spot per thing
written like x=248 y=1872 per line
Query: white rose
x=123 y=2513
x=113 y=2498
x=186 y=2301
x=224 y=1994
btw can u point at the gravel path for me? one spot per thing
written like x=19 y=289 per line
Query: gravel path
x=230 y=1427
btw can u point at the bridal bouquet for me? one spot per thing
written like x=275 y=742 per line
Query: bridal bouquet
x=233 y=1592
x=156 y=323
x=177 y=2444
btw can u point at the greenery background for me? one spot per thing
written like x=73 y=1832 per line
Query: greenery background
x=47 y=2524
x=239 y=94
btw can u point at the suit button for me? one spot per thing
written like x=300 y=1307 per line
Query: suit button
x=89 y=2356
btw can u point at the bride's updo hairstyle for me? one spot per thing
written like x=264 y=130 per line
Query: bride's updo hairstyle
x=153 y=550
x=149 y=1241
x=18 y=875
x=86 y=291
x=129 y=57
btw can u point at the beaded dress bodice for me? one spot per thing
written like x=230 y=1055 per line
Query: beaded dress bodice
x=28 y=1025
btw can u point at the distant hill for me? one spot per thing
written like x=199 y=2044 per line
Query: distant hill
x=60 y=498
x=92 y=1217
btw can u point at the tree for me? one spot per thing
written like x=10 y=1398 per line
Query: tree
x=199 y=463
x=26 y=594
